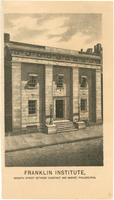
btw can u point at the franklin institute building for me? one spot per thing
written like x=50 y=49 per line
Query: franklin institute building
x=51 y=90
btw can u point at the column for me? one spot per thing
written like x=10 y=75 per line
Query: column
x=16 y=96
x=75 y=82
x=48 y=91
x=98 y=96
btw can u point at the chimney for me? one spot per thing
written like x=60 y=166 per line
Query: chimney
x=89 y=50
x=95 y=48
x=6 y=37
x=98 y=49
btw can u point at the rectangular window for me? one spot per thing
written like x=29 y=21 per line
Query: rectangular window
x=83 y=81
x=33 y=78
x=83 y=104
x=32 y=106
x=60 y=79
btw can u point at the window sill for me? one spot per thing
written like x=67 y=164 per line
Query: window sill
x=32 y=115
x=31 y=88
x=83 y=88
x=84 y=111
x=62 y=88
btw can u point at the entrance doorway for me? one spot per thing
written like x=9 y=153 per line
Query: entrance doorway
x=59 y=109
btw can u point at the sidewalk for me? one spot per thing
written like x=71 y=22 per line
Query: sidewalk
x=39 y=140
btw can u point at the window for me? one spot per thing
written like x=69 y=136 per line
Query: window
x=83 y=81
x=83 y=104
x=60 y=79
x=32 y=80
x=32 y=106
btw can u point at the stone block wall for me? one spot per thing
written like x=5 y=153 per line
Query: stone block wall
x=32 y=120
x=66 y=71
x=90 y=93
x=29 y=94
x=59 y=92
x=84 y=115
x=63 y=93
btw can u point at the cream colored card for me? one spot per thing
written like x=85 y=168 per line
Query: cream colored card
x=57 y=85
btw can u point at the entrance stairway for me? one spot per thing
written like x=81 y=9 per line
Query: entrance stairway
x=65 y=126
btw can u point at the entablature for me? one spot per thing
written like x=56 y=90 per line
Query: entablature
x=19 y=59
x=55 y=56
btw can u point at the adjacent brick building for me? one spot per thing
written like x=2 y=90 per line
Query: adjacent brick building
x=49 y=89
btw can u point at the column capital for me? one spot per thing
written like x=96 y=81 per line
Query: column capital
x=48 y=65
x=16 y=64
x=98 y=70
x=76 y=66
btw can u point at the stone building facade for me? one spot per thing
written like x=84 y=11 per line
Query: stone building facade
x=49 y=89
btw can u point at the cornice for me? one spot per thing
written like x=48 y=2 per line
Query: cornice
x=18 y=59
x=52 y=56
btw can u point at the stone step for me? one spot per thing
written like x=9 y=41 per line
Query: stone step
x=62 y=122
x=67 y=130
x=63 y=128
x=66 y=126
x=69 y=126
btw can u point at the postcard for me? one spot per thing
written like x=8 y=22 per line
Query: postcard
x=57 y=100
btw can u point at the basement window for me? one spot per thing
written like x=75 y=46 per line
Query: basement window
x=83 y=82
x=83 y=104
x=32 y=106
x=33 y=79
x=60 y=80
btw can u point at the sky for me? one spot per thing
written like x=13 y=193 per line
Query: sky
x=68 y=31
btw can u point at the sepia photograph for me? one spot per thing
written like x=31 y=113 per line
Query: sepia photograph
x=53 y=86
x=57 y=100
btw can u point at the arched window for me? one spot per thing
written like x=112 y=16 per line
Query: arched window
x=83 y=81
x=60 y=80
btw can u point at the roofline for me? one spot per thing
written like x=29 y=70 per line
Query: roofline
x=26 y=44
x=50 y=48
x=45 y=48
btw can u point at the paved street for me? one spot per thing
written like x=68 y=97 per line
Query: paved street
x=81 y=153
x=30 y=140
